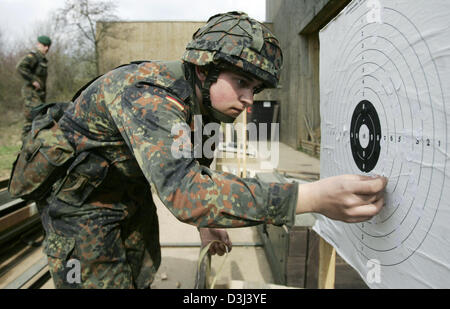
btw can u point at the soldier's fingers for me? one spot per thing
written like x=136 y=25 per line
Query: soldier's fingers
x=226 y=242
x=363 y=199
x=357 y=219
x=218 y=249
x=366 y=211
x=368 y=186
x=379 y=204
x=229 y=244
x=222 y=249
x=212 y=249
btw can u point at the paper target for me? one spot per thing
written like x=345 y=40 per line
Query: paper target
x=384 y=87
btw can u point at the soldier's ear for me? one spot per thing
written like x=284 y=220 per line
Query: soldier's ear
x=201 y=73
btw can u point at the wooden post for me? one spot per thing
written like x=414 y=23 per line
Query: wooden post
x=244 y=144
x=238 y=153
x=327 y=265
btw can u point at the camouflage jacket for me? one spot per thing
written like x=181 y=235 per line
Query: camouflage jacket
x=127 y=116
x=33 y=67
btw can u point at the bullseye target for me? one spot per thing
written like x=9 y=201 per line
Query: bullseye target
x=365 y=136
x=384 y=108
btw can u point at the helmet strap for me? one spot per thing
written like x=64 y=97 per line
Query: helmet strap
x=212 y=74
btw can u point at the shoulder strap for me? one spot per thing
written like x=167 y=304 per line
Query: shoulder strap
x=176 y=67
x=77 y=94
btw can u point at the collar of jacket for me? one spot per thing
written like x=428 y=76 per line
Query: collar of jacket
x=40 y=55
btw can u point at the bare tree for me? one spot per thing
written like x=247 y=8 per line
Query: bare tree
x=81 y=17
x=2 y=42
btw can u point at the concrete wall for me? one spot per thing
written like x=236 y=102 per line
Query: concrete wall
x=157 y=40
x=296 y=23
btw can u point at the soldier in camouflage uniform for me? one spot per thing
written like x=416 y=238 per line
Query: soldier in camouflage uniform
x=33 y=69
x=102 y=214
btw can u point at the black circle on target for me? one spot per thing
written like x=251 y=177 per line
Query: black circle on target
x=365 y=136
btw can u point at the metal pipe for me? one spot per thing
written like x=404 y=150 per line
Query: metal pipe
x=198 y=244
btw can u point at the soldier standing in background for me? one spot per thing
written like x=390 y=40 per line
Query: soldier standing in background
x=33 y=69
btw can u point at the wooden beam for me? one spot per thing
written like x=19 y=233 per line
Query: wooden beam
x=327 y=265
x=322 y=14
x=18 y=216
x=244 y=144
x=4 y=183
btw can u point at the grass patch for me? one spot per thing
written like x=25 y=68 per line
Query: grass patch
x=7 y=156
x=11 y=123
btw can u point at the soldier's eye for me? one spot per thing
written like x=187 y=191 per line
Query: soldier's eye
x=242 y=83
x=258 y=89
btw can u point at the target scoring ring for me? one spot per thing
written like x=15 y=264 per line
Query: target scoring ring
x=365 y=136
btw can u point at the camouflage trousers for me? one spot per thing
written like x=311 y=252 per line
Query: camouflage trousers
x=32 y=99
x=102 y=243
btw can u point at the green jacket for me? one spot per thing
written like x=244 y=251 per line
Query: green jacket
x=33 y=67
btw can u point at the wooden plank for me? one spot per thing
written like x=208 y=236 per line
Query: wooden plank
x=33 y=223
x=327 y=265
x=298 y=242
x=17 y=260
x=4 y=183
x=12 y=206
x=244 y=144
x=312 y=260
x=239 y=284
x=4 y=196
x=295 y=274
x=322 y=14
x=26 y=276
x=38 y=279
x=18 y=216
x=275 y=250
x=294 y=259
x=346 y=277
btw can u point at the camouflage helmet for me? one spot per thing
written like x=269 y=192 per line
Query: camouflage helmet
x=240 y=41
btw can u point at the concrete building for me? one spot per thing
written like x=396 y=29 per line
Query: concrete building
x=155 y=40
x=297 y=23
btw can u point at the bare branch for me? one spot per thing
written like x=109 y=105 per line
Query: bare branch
x=83 y=16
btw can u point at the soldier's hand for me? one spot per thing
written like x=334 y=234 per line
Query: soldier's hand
x=36 y=85
x=348 y=198
x=209 y=234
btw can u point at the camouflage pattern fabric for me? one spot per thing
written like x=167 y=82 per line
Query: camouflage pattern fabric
x=240 y=41
x=126 y=118
x=115 y=239
x=43 y=158
x=33 y=67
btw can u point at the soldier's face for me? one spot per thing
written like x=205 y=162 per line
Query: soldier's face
x=233 y=92
x=43 y=48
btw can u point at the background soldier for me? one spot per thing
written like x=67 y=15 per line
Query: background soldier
x=101 y=212
x=33 y=69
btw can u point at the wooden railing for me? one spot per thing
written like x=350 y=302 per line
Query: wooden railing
x=22 y=263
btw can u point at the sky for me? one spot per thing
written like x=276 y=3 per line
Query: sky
x=17 y=17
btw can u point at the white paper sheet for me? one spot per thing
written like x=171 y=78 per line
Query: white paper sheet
x=396 y=55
